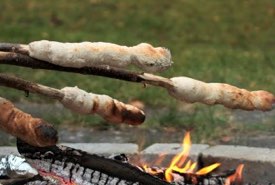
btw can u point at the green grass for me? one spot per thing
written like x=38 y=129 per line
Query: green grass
x=215 y=41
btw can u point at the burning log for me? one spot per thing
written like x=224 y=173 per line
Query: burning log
x=80 y=101
x=34 y=131
x=185 y=172
x=65 y=164
x=187 y=178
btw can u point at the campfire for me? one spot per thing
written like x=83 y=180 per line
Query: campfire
x=182 y=170
x=42 y=161
x=67 y=166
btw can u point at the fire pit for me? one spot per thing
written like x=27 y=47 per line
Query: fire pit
x=68 y=166
x=55 y=164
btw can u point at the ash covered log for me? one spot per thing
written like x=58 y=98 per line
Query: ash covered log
x=66 y=165
x=34 y=131
x=194 y=179
x=83 y=168
x=191 y=178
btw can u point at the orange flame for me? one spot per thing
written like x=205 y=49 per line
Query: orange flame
x=179 y=160
x=180 y=165
x=208 y=169
x=236 y=178
x=151 y=170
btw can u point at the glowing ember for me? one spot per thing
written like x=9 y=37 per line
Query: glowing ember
x=56 y=178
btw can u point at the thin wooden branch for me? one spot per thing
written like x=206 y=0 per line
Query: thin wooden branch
x=80 y=101
x=18 y=59
x=27 y=86
x=17 y=48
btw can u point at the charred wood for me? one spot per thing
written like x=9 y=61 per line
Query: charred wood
x=81 y=167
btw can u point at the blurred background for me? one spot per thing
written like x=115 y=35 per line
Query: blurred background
x=214 y=41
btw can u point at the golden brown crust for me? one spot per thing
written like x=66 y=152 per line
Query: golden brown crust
x=190 y=90
x=123 y=113
x=34 y=131
x=110 y=109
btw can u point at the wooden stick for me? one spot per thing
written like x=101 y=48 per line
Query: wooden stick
x=27 y=86
x=17 y=48
x=17 y=59
x=80 y=101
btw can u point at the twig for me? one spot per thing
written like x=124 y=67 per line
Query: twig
x=27 y=86
x=17 y=48
x=17 y=59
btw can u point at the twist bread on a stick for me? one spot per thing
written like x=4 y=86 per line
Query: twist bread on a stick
x=88 y=54
x=190 y=90
x=34 y=131
x=110 y=109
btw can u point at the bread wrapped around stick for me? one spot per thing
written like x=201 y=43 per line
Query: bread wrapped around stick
x=88 y=54
x=190 y=90
x=110 y=109
x=34 y=131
